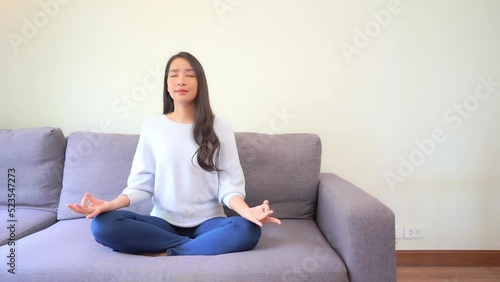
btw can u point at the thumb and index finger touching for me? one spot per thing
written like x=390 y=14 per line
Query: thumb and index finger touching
x=85 y=206
x=267 y=213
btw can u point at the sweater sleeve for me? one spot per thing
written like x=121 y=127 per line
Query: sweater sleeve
x=231 y=178
x=140 y=184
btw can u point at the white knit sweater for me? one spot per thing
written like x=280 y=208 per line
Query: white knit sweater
x=164 y=168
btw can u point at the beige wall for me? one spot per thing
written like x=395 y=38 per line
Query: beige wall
x=290 y=66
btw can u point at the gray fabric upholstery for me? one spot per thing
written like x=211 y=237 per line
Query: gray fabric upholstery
x=99 y=164
x=359 y=227
x=29 y=221
x=294 y=251
x=282 y=168
x=37 y=155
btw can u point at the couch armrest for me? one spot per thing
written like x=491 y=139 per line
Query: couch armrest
x=359 y=227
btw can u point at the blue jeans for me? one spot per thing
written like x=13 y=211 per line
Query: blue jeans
x=130 y=232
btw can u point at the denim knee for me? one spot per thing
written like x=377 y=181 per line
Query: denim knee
x=249 y=232
x=96 y=227
x=100 y=226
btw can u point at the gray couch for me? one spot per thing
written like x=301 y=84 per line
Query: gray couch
x=331 y=231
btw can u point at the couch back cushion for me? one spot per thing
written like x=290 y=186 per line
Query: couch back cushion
x=281 y=168
x=97 y=163
x=34 y=158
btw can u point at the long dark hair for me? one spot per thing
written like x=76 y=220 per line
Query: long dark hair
x=203 y=127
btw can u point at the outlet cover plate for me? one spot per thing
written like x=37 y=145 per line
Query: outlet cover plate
x=414 y=232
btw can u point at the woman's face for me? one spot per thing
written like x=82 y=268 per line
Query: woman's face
x=182 y=82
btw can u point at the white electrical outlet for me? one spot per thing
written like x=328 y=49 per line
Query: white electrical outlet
x=414 y=232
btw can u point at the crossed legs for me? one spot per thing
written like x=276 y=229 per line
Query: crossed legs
x=129 y=232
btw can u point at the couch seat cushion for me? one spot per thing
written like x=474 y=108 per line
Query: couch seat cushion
x=28 y=221
x=66 y=251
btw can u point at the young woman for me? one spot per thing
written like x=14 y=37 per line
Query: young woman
x=187 y=161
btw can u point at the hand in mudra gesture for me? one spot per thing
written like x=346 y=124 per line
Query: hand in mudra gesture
x=261 y=214
x=91 y=206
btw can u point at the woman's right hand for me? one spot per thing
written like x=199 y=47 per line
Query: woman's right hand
x=91 y=206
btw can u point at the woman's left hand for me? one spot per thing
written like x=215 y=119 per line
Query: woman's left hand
x=261 y=214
